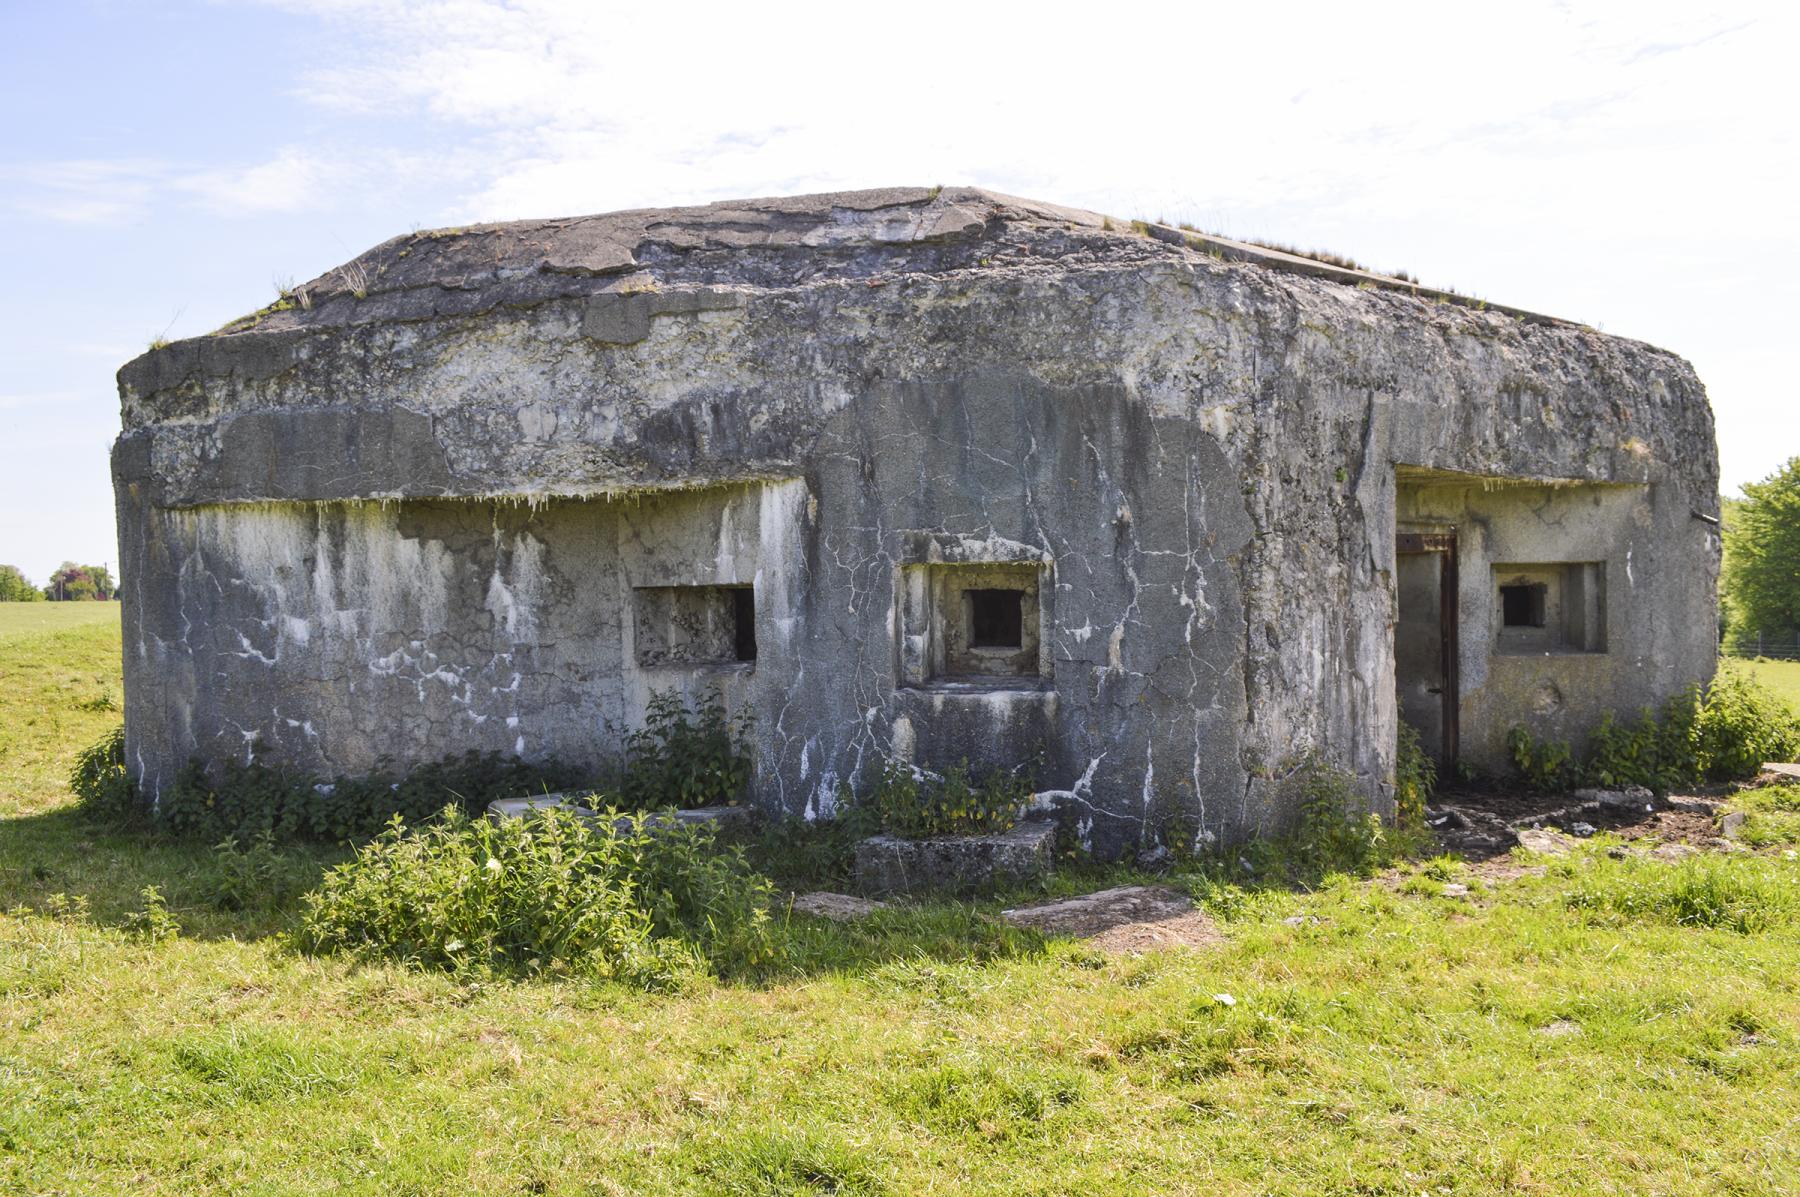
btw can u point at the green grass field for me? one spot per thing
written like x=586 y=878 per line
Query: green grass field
x=1783 y=677
x=36 y=619
x=1562 y=1033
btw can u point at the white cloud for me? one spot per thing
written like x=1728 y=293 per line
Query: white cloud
x=85 y=191
x=20 y=399
x=116 y=192
x=292 y=181
x=1231 y=108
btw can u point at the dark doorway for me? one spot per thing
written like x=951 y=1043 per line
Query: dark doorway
x=1425 y=639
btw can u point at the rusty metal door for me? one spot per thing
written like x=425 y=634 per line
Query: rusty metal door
x=1425 y=639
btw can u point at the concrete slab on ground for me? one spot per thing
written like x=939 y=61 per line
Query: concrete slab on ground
x=887 y=864
x=1126 y=919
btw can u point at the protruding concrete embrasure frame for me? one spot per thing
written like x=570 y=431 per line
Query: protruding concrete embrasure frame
x=935 y=571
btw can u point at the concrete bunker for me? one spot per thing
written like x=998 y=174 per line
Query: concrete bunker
x=936 y=474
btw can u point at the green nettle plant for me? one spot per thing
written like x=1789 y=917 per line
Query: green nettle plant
x=99 y=782
x=248 y=802
x=1415 y=778
x=621 y=897
x=912 y=803
x=1337 y=833
x=686 y=757
x=1741 y=725
x=1543 y=765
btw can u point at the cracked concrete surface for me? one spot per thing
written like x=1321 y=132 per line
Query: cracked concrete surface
x=409 y=522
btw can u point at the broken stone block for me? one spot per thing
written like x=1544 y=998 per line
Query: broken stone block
x=1089 y=914
x=1455 y=889
x=719 y=817
x=888 y=864
x=1549 y=843
x=513 y=808
x=1732 y=825
x=1626 y=797
x=839 y=908
x=1692 y=806
x=1786 y=770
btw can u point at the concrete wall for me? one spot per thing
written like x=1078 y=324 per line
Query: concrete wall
x=1658 y=566
x=330 y=635
x=1200 y=455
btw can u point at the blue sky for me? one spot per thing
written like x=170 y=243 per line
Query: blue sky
x=164 y=166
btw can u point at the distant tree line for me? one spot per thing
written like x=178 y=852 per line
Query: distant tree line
x=1759 y=586
x=71 y=583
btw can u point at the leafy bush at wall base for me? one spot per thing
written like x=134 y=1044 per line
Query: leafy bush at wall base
x=1741 y=725
x=249 y=800
x=1722 y=733
x=810 y=853
x=626 y=898
x=1415 y=778
x=686 y=757
x=102 y=789
x=1337 y=833
x=910 y=802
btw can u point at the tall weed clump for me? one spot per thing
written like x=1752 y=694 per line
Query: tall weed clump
x=102 y=789
x=913 y=803
x=1721 y=733
x=632 y=898
x=1741 y=725
x=686 y=756
x=1336 y=832
x=1415 y=778
x=247 y=801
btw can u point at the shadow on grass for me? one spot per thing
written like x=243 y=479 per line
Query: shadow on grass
x=212 y=893
x=57 y=860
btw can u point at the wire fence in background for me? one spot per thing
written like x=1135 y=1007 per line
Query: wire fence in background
x=1778 y=646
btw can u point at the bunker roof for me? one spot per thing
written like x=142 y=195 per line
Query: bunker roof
x=874 y=236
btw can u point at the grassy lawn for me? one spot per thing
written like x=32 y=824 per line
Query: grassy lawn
x=35 y=619
x=59 y=691
x=1561 y=1033
x=1783 y=677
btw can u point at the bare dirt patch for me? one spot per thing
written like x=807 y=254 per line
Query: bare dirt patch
x=1484 y=825
x=840 y=908
x=1128 y=920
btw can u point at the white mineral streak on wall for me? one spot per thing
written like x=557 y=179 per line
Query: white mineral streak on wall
x=780 y=558
x=340 y=582
x=515 y=596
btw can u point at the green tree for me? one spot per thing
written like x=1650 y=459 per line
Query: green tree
x=1761 y=577
x=14 y=588
x=75 y=582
